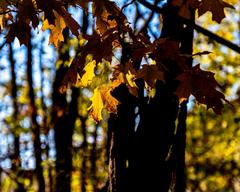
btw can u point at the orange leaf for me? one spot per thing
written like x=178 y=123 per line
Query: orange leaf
x=56 y=35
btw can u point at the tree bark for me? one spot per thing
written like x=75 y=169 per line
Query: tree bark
x=35 y=125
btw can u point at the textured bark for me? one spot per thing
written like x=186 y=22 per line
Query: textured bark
x=35 y=125
x=121 y=128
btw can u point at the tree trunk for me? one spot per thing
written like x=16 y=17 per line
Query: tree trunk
x=35 y=125
x=16 y=164
x=93 y=158
x=64 y=117
x=121 y=129
x=84 y=155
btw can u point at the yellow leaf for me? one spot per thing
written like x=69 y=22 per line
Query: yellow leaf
x=1 y=22
x=109 y=101
x=102 y=98
x=56 y=35
x=89 y=73
x=97 y=105
x=131 y=79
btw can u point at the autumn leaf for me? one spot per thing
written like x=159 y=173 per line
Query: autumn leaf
x=71 y=77
x=103 y=99
x=21 y=30
x=28 y=13
x=89 y=74
x=202 y=85
x=150 y=74
x=1 y=22
x=185 y=7
x=216 y=7
x=70 y=22
x=51 y=7
x=56 y=35
x=108 y=15
x=109 y=101
x=126 y=74
x=97 y=105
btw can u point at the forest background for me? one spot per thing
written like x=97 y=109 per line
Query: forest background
x=61 y=66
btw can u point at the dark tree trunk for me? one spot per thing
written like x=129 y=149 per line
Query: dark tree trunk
x=152 y=158
x=94 y=154
x=45 y=111
x=16 y=164
x=64 y=117
x=62 y=135
x=180 y=137
x=121 y=129
x=35 y=125
x=84 y=155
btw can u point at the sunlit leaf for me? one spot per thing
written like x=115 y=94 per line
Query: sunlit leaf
x=56 y=35
x=97 y=105
x=89 y=73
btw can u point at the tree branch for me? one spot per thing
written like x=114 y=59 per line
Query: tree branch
x=198 y=28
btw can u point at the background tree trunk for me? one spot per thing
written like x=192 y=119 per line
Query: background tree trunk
x=35 y=124
x=62 y=128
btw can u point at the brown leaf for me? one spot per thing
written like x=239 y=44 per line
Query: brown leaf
x=70 y=22
x=71 y=77
x=202 y=85
x=185 y=7
x=214 y=6
x=21 y=30
x=28 y=13
x=150 y=74
x=108 y=15
x=47 y=6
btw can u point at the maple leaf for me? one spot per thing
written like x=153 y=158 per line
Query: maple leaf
x=50 y=7
x=70 y=22
x=97 y=105
x=27 y=13
x=102 y=98
x=109 y=101
x=185 y=7
x=126 y=74
x=202 y=85
x=56 y=35
x=89 y=73
x=47 y=7
x=108 y=15
x=150 y=74
x=100 y=47
x=21 y=30
x=216 y=7
x=71 y=77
